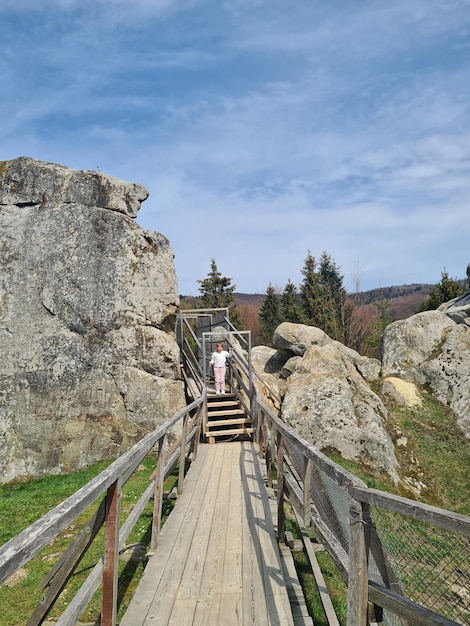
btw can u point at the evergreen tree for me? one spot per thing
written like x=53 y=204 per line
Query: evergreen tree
x=380 y=323
x=290 y=304
x=336 y=310
x=310 y=291
x=447 y=289
x=270 y=315
x=217 y=292
x=324 y=300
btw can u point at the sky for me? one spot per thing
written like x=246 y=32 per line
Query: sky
x=264 y=130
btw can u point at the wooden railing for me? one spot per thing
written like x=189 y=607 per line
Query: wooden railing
x=108 y=483
x=336 y=506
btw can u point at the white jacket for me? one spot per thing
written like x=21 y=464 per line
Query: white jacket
x=218 y=358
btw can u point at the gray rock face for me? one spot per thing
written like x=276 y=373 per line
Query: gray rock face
x=458 y=309
x=329 y=403
x=296 y=338
x=27 y=182
x=326 y=396
x=432 y=349
x=406 y=344
x=87 y=307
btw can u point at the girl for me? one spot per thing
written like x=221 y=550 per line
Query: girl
x=218 y=360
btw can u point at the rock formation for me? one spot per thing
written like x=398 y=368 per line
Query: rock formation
x=87 y=307
x=328 y=401
x=325 y=387
x=432 y=350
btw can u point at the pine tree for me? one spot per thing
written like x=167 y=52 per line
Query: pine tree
x=447 y=289
x=270 y=315
x=324 y=300
x=290 y=304
x=336 y=310
x=310 y=291
x=380 y=322
x=217 y=292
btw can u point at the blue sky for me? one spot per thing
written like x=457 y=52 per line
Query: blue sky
x=262 y=128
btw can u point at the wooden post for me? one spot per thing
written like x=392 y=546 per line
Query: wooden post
x=261 y=431
x=280 y=486
x=268 y=452
x=184 y=435
x=359 y=534
x=111 y=554
x=307 y=505
x=158 y=495
x=197 y=435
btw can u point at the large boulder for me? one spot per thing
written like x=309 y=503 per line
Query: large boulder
x=296 y=338
x=329 y=403
x=431 y=349
x=406 y=344
x=326 y=397
x=87 y=308
x=267 y=364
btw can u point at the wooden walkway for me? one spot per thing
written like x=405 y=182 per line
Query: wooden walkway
x=217 y=560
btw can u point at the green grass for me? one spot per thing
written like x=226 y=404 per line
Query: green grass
x=23 y=503
x=436 y=454
x=442 y=451
x=334 y=583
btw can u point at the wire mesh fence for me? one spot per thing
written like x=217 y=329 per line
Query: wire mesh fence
x=432 y=565
x=420 y=561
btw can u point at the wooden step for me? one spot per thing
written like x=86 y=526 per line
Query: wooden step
x=229 y=433
x=226 y=412
x=226 y=418
x=223 y=402
x=231 y=422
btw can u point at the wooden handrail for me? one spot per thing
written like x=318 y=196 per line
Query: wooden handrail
x=22 y=548
x=296 y=481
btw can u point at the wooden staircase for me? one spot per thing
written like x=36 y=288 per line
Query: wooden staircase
x=226 y=419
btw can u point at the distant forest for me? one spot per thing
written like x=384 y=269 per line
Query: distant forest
x=402 y=302
x=405 y=300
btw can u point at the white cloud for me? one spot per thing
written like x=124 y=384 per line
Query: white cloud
x=262 y=129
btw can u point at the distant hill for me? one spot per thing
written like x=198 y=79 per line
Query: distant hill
x=252 y=299
x=404 y=300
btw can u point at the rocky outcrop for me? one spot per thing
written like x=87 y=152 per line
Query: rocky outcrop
x=296 y=338
x=458 y=309
x=431 y=349
x=326 y=388
x=87 y=307
x=327 y=398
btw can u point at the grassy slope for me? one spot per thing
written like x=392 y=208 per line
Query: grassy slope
x=23 y=503
x=436 y=455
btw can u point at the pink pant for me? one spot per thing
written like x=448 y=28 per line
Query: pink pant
x=219 y=375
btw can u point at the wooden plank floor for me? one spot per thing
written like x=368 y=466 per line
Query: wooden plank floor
x=217 y=561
